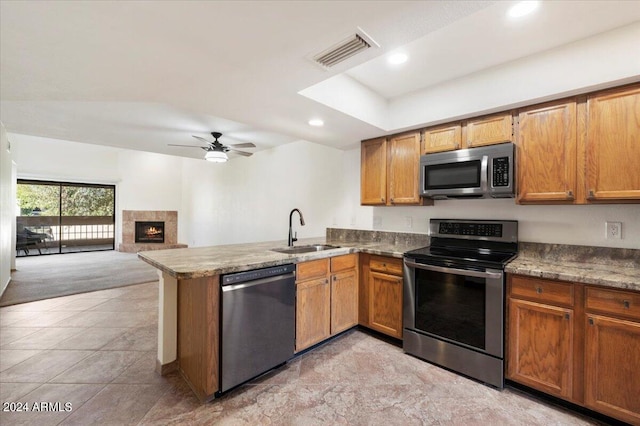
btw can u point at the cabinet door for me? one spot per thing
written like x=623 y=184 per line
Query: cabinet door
x=612 y=366
x=404 y=169
x=344 y=301
x=373 y=172
x=540 y=352
x=489 y=130
x=313 y=320
x=363 y=290
x=547 y=153
x=385 y=303
x=613 y=145
x=446 y=138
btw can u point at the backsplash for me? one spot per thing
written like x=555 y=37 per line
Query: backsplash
x=580 y=254
x=361 y=235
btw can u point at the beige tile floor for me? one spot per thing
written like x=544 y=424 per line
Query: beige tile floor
x=95 y=352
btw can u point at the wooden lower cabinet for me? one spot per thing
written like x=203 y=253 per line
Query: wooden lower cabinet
x=381 y=286
x=198 y=330
x=327 y=299
x=576 y=342
x=612 y=353
x=313 y=320
x=385 y=303
x=344 y=301
x=541 y=347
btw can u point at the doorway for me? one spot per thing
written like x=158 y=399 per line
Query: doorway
x=64 y=217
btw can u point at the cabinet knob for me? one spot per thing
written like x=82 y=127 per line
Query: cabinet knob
x=590 y=321
x=392 y=200
x=335 y=278
x=539 y=290
x=626 y=304
x=567 y=316
x=326 y=281
x=570 y=194
x=592 y=195
x=382 y=199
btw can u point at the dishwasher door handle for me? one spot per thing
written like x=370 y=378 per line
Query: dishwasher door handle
x=260 y=281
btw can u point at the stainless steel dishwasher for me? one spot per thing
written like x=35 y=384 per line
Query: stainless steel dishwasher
x=257 y=323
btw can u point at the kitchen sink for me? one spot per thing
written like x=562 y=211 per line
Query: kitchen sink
x=304 y=249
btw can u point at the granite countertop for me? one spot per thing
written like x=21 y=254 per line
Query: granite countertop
x=610 y=267
x=197 y=262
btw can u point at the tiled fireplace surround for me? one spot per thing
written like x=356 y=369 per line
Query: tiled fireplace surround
x=129 y=218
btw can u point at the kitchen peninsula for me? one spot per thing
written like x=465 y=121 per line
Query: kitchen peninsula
x=188 y=322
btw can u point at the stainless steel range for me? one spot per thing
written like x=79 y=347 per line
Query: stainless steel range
x=454 y=296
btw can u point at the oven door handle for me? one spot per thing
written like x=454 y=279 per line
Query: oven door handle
x=466 y=272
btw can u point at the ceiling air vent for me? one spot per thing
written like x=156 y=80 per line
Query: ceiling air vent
x=345 y=49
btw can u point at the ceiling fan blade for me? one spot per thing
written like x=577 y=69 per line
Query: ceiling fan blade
x=188 y=146
x=202 y=139
x=243 y=153
x=243 y=145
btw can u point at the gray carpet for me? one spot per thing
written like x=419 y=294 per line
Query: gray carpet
x=45 y=277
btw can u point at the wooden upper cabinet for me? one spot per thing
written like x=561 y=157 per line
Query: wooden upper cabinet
x=373 y=172
x=390 y=171
x=442 y=138
x=612 y=145
x=488 y=130
x=546 y=144
x=404 y=169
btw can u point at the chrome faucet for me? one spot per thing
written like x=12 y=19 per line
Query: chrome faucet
x=293 y=238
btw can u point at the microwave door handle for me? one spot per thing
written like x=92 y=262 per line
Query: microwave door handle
x=484 y=165
x=468 y=273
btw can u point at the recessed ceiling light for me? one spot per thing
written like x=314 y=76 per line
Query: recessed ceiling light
x=397 y=58
x=523 y=8
x=316 y=122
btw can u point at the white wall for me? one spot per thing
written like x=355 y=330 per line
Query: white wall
x=577 y=225
x=244 y=200
x=7 y=211
x=249 y=199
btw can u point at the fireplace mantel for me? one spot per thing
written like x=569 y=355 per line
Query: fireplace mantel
x=129 y=219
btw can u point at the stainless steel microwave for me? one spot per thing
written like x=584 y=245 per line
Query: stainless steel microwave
x=483 y=172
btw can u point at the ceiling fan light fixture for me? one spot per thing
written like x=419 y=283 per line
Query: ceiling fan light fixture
x=216 y=156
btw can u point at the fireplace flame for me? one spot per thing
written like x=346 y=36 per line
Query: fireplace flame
x=152 y=231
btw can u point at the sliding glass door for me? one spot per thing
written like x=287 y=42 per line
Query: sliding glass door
x=62 y=217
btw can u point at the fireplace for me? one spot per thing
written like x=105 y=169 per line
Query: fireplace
x=149 y=232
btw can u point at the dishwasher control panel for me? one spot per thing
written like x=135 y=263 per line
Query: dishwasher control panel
x=256 y=274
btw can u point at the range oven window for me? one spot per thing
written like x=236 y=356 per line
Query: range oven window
x=451 y=306
x=465 y=174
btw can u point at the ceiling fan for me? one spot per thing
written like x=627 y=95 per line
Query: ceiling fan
x=216 y=151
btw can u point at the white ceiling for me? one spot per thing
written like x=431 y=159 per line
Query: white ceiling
x=142 y=75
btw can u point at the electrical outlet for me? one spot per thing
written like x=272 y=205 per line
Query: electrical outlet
x=377 y=221
x=613 y=230
x=408 y=221
x=353 y=221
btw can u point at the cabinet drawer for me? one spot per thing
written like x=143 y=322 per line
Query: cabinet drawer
x=390 y=265
x=312 y=269
x=619 y=302
x=542 y=290
x=343 y=263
